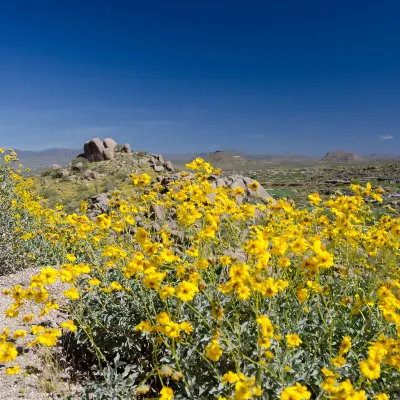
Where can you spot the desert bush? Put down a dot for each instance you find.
(81, 160)
(212, 298)
(46, 173)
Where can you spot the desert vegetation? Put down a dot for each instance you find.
(187, 290)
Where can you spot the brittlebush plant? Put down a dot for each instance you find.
(190, 293)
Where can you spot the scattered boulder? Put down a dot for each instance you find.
(158, 168)
(65, 173)
(168, 166)
(110, 144)
(61, 173)
(126, 148)
(108, 154)
(91, 175)
(94, 149)
(78, 167)
(55, 167)
(158, 212)
(158, 163)
(98, 204)
(158, 159)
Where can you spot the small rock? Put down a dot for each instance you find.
(158, 168)
(77, 167)
(126, 148)
(158, 212)
(65, 173)
(90, 175)
(55, 167)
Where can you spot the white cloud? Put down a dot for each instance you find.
(386, 137)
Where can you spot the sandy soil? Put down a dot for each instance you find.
(41, 382)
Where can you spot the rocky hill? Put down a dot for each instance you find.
(221, 157)
(105, 166)
(341, 156)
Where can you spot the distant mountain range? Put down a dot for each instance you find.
(183, 157)
(46, 158)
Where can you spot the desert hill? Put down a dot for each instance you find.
(341, 156)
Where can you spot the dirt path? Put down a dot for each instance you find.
(40, 383)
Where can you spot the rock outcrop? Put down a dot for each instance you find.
(158, 163)
(97, 150)
(251, 188)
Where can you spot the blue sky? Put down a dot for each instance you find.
(182, 76)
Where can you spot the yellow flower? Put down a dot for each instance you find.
(293, 340)
(267, 329)
(28, 317)
(72, 293)
(71, 257)
(230, 377)
(166, 291)
(302, 295)
(94, 282)
(214, 350)
(269, 354)
(370, 369)
(48, 337)
(8, 352)
(116, 286)
(314, 199)
(19, 333)
(13, 370)
(166, 393)
(186, 327)
(338, 361)
(48, 275)
(196, 164)
(381, 396)
(163, 318)
(345, 345)
(140, 180)
(243, 292)
(186, 291)
(327, 372)
(253, 186)
(297, 392)
(69, 325)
